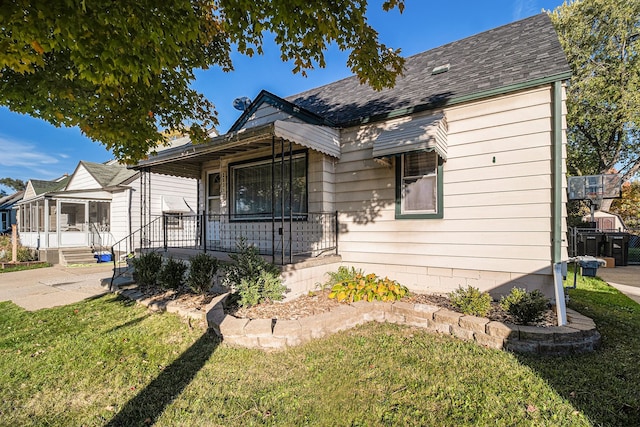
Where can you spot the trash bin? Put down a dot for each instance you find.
(103, 256)
(590, 243)
(617, 247)
(588, 266)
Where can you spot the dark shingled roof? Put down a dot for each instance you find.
(515, 54)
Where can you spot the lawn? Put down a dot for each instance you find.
(110, 362)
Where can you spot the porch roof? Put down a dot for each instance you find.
(186, 161)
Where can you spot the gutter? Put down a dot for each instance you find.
(559, 267)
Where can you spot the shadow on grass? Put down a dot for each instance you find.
(604, 385)
(148, 405)
(128, 324)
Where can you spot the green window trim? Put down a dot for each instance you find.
(439, 214)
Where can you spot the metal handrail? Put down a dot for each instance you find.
(308, 234)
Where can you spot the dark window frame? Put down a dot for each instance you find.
(439, 212)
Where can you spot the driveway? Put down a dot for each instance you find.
(625, 279)
(53, 286)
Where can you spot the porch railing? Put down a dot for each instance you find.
(100, 239)
(303, 235)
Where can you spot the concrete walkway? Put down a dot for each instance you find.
(53, 286)
(625, 279)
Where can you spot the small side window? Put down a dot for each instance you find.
(419, 185)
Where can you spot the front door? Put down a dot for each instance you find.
(213, 210)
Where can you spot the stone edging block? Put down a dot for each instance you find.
(578, 338)
(579, 335)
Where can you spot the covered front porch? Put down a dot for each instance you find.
(270, 185)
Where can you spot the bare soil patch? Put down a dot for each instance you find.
(319, 302)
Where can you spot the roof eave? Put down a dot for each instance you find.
(503, 90)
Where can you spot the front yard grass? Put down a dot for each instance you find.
(108, 361)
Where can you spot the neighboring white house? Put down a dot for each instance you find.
(7, 213)
(454, 177)
(98, 205)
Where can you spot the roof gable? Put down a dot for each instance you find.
(267, 98)
(517, 55)
(36, 187)
(107, 175)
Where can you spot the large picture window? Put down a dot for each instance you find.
(252, 187)
(419, 185)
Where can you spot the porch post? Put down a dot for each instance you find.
(36, 221)
(86, 224)
(282, 199)
(58, 219)
(164, 230)
(45, 218)
(273, 199)
(290, 203)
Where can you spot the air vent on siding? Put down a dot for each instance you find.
(440, 69)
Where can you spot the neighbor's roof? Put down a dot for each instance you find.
(7, 201)
(41, 187)
(496, 61)
(108, 175)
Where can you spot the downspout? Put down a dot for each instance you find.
(558, 268)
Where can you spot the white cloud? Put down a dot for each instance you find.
(23, 154)
(525, 8)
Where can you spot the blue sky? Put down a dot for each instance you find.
(33, 149)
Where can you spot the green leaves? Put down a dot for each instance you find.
(600, 40)
(103, 66)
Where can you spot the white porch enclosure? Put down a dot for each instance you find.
(57, 223)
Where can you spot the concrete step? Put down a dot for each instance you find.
(77, 256)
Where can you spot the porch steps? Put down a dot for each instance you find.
(77, 256)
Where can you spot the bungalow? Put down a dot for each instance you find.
(7, 213)
(454, 177)
(97, 206)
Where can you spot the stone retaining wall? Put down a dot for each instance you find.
(578, 336)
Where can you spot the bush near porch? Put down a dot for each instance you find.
(6, 251)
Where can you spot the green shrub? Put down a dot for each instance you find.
(23, 255)
(247, 263)
(26, 254)
(147, 268)
(525, 307)
(343, 274)
(355, 286)
(201, 273)
(172, 274)
(471, 301)
(251, 278)
(266, 287)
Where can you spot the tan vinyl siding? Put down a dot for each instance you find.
(497, 198)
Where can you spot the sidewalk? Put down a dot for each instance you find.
(53, 286)
(625, 279)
